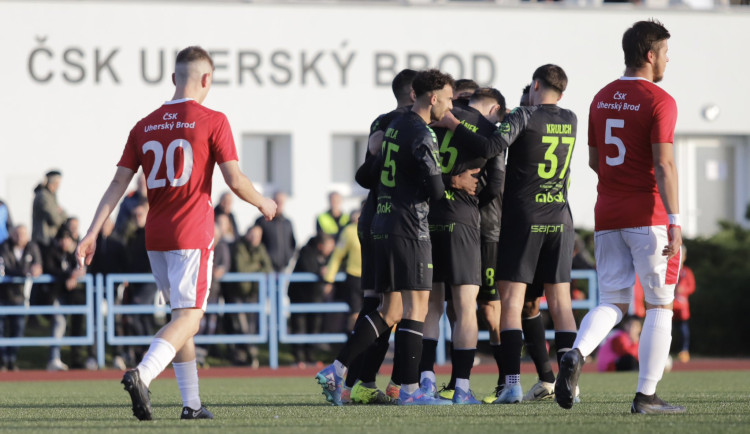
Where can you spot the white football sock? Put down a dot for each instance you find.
(340, 368)
(428, 374)
(410, 388)
(595, 326)
(159, 354)
(512, 380)
(653, 349)
(187, 381)
(463, 384)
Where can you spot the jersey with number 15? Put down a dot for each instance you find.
(625, 119)
(178, 146)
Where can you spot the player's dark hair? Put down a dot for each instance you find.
(192, 54)
(463, 84)
(638, 40)
(526, 90)
(484, 93)
(551, 77)
(525, 96)
(430, 80)
(401, 84)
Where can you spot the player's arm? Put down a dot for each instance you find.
(245, 190)
(368, 173)
(594, 159)
(115, 191)
(665, 172)
(495, 173)
(375, 142)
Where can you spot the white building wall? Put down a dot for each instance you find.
(65, 106)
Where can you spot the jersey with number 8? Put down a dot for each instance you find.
(178, 146)
(625, 118)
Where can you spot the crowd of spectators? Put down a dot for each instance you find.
(264, 247)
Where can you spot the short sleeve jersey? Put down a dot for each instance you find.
(457, 206)
(178, 145)
(368, 210)
(625, 118)
(410, 157)
(538, 170)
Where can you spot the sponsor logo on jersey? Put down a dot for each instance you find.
(385, 208)
(443, 228)
(549, 198)
(450, 195)
(547, 229)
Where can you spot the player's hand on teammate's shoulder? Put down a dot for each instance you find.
(268, 208)
(675, 242)
(448, 121)
(466, 181)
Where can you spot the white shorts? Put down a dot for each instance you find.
(621, 253)
(183, 276)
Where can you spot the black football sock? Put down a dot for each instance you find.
(452, 382)
(369, 305)
(463, 362)
(499, 361)
(373, 358)
(564, 342)
(411, 349)
(511, 355)
(429, 353)
(396, 373)
(368, 330)
(536, 346)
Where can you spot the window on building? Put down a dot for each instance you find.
(267, 161)
(347, 154)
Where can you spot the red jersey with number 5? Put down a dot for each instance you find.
(625, 119)
(178, 146)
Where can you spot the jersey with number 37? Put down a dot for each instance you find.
(625, 118)
(178, 146)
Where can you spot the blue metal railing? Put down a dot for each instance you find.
(272, 308)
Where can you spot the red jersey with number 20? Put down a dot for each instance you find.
(625, 119)
(178, 146)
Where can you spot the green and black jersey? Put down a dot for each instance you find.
(410, 160)
(538, 172)
(367, 176)
(457, 206)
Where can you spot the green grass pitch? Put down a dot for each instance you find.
(717, 402)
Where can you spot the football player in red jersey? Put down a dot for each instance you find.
(631, 135)
(178, 146)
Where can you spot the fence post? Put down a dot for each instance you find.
(273, 332)
(99, 309)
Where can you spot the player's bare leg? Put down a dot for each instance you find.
(464, 340)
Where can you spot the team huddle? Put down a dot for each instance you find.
(445, 220)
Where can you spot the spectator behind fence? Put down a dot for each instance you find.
(332, 221)
(224, 208)
(138, 293)
(248, 256)
(18, 258)
(684, 289)
(312, 259)
(6, 223)
(347, 249)
(125, 219)
(620, 351)
(278, 235)
(47, 215)
(60, 262)
(111, 257)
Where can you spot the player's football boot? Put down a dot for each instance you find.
(346, 395)
(567, 379)
(202, 413)
(139, 394)
(430, 386)
(460, 397)
(445, 393)
(541, 391)
(393, 390)
(420, 397)
(652, 404)
(510, 395)
(331, 384)
(362, 394)
(489, 399)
